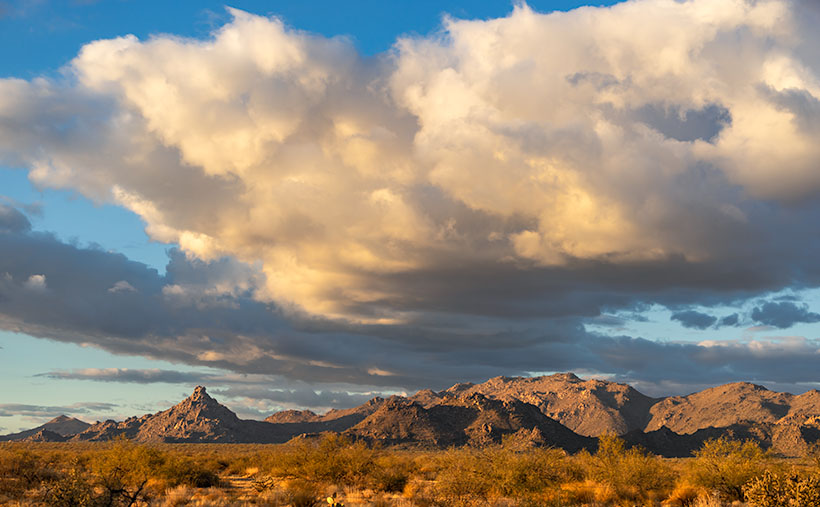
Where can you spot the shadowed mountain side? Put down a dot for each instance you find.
(62, 426)
(471, 419)
(45, 435)
(588, 407)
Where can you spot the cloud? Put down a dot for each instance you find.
(127, 375)
(694, 319)
(11, 220)
(305, 397)
(16, 409)
(729, 320)
(783, 314)
(454, 209)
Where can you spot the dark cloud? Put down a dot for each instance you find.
(686, 124)
(11, 220)
(729, 320)
(784, 314)
(694, 319)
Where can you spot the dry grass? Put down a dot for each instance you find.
(307, 472)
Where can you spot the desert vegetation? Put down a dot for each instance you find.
(331, 470)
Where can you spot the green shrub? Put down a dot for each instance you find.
(725, 466)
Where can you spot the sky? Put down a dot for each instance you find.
(307, 204)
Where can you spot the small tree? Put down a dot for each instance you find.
(124, 471)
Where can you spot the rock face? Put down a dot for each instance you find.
(587, 407)
(62, 426)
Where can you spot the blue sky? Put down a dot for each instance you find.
(612, 226)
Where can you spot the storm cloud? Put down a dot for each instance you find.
(454, 209)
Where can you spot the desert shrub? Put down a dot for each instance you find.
(71, 489)
(182, 470)
(631, 474)
(527, 474)
(333, 459)
(725, 466)
(123, 472)
(781, 490)
(302, 493)
(391, 472)
(22, 470)
(462, 478)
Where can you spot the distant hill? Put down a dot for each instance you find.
(61, 426)
(558, 410)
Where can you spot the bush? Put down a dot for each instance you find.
(631, 474)
(333, 459)
(776, 490)
(725, 466)
(462, 477)
(72, 489)
(184, 471)
(123, 472)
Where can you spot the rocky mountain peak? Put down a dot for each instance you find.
(200, 395)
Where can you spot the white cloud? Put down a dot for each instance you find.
(36, 283)
(122, 286)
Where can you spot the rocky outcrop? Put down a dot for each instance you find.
(588, 407)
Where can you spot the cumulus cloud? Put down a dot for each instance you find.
(455, 208)
(783, 314)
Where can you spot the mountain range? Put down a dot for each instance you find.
(559, 410)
